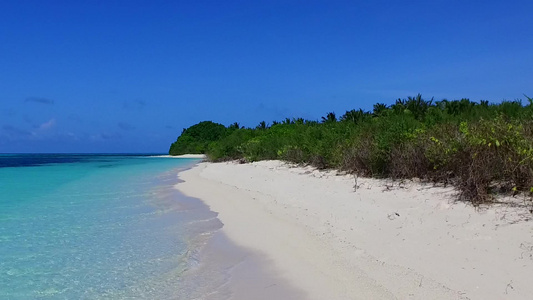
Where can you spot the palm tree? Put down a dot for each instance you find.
(262, 125)
(379, 109)
(298, 121)
(329, 118)
(457, 107)
(287, 121)
(354, 116)
(418, 106)
(399, 105)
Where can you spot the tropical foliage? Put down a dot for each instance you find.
(479, 147)
(196, 139)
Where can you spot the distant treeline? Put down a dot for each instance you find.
(480, 147)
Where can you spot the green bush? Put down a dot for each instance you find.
(481, 148)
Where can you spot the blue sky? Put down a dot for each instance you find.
(128, 76)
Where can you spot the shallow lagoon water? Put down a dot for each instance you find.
(100, 227)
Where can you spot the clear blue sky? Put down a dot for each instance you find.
(128, 76)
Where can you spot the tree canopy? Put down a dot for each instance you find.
(196, 139)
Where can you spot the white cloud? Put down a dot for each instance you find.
(48, 125)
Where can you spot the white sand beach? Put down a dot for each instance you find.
(199, 156)
(383, 241)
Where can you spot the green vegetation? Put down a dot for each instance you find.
(481, 148)
(196, 139)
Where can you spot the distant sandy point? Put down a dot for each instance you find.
(199, 156)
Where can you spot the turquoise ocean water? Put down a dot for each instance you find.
(100, 227)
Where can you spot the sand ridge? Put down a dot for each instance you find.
(383, 241)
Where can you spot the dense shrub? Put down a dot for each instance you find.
(481, 148)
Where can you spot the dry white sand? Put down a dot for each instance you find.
(379, 242)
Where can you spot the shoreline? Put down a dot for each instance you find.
(198, 156)
(321, 237)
